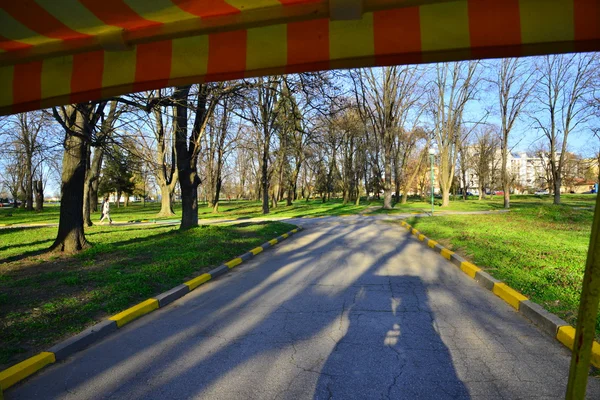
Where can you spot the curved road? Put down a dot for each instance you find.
(350, 308)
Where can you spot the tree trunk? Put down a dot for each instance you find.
(28, 184)
(94, 196)
(126, 200)
(504, 172)
(217, 194)
(445, 198)
(166, 206)
(188, 180)
(557, 183)
(70, 237)
(387, 184)
(38, 188)
(118, 199)
(87, 220)
(265, 179)
(290, 195)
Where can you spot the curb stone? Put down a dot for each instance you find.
(546, 321)
(72, 345)
(66, 348)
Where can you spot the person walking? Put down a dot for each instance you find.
(106, 211)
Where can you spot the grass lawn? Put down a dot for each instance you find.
(538, 249)
(45, 297)
(243, 209)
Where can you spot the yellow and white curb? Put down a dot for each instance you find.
(62, 350)
(546, 321)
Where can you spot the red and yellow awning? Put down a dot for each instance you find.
(64, 51)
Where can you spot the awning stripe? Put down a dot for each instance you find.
(153, 65)
(428, 33)
(27, 86)
(207, 9)
(587, 19)
(308, 45)
(36, 18)
(494, 24)
(226, 55)
(86, 78)
(117, 13)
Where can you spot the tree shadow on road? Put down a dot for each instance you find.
(331, 313)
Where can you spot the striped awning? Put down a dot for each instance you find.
(65, 51)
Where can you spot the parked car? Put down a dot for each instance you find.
(541, 192)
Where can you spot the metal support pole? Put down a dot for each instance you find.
(432, 183)
(586, 319)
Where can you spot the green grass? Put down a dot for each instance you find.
(45, 297)
(537, 249)
(243, 209)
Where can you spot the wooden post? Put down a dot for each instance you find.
(586, 319)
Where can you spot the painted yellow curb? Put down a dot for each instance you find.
(124, 317)
(234, 262)
(273, 241)
(469, 269)
(256, 250)
(197, 281)
(295, 230)
(22, 370)
(447, 254)
(421, 237)
(285, 235)
(415, 232)
(402, 223)
(509, 295)
(432, 243)
(566, 335)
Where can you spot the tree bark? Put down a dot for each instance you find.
(505, 180)
(265, 177)
(557, 184)
(90, 195)
(38, 188)
(186, 158)
(387, 184)
(166, 206)
(29, 183)
(70, 237)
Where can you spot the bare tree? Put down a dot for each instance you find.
(261, 111)
(454, 86)
(483, 159)
(514, 82)
(94, 162)
(565, 85)
(385, 97)
(79, 122)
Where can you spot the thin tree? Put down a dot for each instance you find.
(262, 113)
(514, 82)
(385, 96)
(453, 87)
(566, 83)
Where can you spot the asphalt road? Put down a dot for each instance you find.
(350, 308)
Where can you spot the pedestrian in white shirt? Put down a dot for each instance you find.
(106, 211)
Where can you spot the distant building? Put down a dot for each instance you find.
(528, 170)
(531, 171)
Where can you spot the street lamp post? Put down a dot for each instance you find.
(432, 156)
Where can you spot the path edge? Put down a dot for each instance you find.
(82, 340)
(548, 323)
